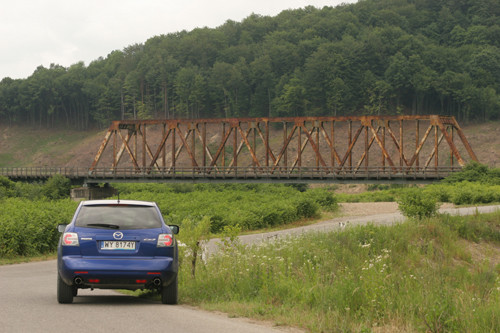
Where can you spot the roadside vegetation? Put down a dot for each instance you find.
(30, 213)
(29, 228)
(475, 184)
(438, 275)
(249, 206)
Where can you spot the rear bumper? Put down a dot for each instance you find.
(114, 273)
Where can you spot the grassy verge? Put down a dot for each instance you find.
(440, 274)
(24, 259)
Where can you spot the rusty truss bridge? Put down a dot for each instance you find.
(299, 149)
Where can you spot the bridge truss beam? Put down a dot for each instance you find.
(270, 147)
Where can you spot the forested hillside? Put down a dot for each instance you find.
(373, 57)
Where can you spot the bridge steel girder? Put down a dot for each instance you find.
(347, 145)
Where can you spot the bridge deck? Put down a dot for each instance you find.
(236, 174)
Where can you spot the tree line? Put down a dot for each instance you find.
(372, 57)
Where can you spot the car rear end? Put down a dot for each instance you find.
(114, 244)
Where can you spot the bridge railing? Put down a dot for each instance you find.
(42, 172)
(250, 173)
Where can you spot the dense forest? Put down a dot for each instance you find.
(372, 57)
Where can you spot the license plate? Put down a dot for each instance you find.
(117, 245)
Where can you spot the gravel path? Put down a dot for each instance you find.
(384, 213)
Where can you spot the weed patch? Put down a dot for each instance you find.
(415, 274)
(251, 207)
(29, 228)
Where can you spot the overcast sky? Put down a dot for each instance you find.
(64, 32)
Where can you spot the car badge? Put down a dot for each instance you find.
(118, 235)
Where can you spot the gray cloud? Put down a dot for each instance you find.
(64, 32)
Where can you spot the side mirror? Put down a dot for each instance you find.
(61, 227)
(174, 228)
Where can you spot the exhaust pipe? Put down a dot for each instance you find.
(78, 280)
(157, 282)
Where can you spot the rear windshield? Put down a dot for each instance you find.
(118, 217)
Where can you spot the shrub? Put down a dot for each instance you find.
(6, 187)
(251, 206)
(301, 187)
(324, 198)
(475, 172)
(474, 193)
(193, 234)
(57, 187)
(30, 228)
(414, 203)
(442, 192)
(307, 208)
(216, 223)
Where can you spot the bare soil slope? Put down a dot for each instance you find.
(27, 147)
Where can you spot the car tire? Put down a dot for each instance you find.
(169, 293)
(64, 292)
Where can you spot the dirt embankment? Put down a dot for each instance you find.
(27, 147)
(374, 208)
(368, 208)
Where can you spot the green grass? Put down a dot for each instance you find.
(440, 274)
(6, 159)
(372, 196)
(24, 259)
(25, 144)
(460, 193)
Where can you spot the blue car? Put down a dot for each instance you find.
(117, 244)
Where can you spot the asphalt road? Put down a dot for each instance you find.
(28, 298)
(28, 304)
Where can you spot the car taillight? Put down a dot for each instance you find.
(165, 240)
(70, 239)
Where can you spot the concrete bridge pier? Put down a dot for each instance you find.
(92, 192)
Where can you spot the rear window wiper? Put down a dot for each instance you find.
(104, 225)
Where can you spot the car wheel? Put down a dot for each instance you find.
(169, 293)
(64, 292)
